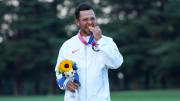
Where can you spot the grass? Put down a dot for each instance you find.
(154, 95)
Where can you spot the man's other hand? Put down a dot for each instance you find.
(72, 86)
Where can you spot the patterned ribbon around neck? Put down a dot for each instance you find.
(91, 41)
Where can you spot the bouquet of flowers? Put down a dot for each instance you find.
(68, 69)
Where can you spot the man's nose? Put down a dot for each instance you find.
(89, 22)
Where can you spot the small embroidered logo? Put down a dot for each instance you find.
(75, 51)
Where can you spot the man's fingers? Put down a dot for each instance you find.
(92, 29)
(72, 86)
(75, 85)
(71, 89)
(94, 25)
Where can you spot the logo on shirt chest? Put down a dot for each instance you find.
(74, 51)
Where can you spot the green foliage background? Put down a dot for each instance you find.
(145, 31)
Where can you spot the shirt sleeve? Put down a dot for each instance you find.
(59, 76)
(111, 55)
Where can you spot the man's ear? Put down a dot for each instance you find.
(77, 22)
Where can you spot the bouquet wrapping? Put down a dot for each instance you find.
(68, 69)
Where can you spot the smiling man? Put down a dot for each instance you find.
(94, 55)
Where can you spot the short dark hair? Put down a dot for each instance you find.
(82, 7)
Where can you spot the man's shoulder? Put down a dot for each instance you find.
(106, 37)
(71, 40)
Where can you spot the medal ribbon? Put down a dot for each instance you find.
(91, 41)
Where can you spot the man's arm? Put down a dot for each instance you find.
(68, 84)
(59, 76)
(111, 55)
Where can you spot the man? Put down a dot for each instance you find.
(94, 54)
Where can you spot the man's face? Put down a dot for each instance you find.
(86, 19)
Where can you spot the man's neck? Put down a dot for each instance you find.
(84, 34)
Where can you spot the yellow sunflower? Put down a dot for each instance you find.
(65, 66)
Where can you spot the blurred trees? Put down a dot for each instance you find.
(30, 46)
(32, 31)
(149, 40)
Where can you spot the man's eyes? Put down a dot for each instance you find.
(85, 19)
(92, 19)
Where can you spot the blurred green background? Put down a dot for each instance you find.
(146, 32)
